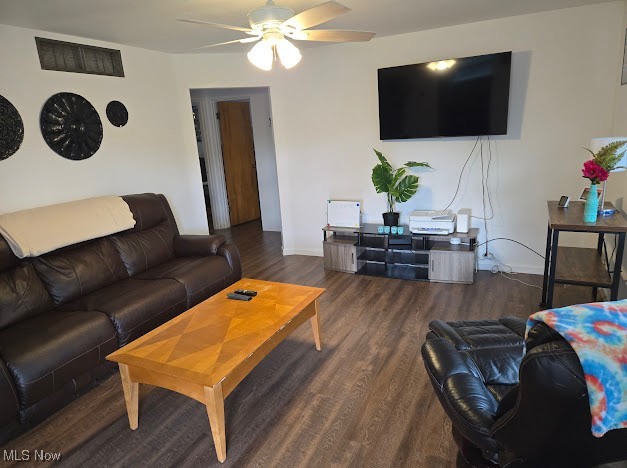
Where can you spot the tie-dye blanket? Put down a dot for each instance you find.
(598, 334)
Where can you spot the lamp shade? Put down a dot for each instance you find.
(288, 53)
(262, 55)
(597, 143)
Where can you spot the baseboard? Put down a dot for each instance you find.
(531, 270)
(309, 253)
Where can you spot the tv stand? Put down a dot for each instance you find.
(417, 257)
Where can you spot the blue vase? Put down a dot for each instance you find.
(591, 208)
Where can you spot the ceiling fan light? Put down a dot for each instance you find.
(261, 56)
(288, 53)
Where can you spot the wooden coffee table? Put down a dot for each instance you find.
(205, 352)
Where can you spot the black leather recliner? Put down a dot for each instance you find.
(512, 403)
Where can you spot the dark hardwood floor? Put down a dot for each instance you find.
(365, 400)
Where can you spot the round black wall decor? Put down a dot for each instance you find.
(71, 126)
(117, 113)
(11, 129)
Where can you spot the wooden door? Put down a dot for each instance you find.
(238, 155)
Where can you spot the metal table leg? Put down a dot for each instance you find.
(617, 266)
(595, 289)
(552, 269)
(547, 259)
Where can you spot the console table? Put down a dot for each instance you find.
(581, 266)
(418, 257)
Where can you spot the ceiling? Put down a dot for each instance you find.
(151, 24)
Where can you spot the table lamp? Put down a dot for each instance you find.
(595, 145)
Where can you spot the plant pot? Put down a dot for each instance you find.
(390, 218)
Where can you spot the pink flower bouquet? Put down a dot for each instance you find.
(595, 172)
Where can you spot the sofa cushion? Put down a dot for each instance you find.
(149, 210)
(22, 295)
(498, 365)
(508, 331)
(80, 269)
(501, 391)
(151, 241)
(202, 277)
(45, 352)
(135, 306)
(145, 249)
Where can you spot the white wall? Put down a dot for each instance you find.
(620, 116)
(617, 182)
(326, 121)
(263, 136)
(144, 156)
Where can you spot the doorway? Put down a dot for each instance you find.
(238, 145)
(238, 159)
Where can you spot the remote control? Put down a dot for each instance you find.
(246, 292)
(239, 297)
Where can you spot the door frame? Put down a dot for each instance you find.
(215, 164)
(259, 99)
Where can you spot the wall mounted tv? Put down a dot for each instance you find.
(458, 97)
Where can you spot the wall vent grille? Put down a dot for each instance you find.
(78, 58)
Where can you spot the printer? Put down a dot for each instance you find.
(432, 222)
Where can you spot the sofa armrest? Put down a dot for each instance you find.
(461, 391)
(442, 360)
(230, 252)
(197, 246)
(9, 404)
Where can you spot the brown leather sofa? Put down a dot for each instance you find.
(62, 313)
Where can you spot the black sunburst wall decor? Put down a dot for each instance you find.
(11, 129)
(71, 126)
(117, 113)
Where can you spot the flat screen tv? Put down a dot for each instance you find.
(461, 97)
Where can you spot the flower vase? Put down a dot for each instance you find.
(591, 208)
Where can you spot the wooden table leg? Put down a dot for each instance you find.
(215, 410)
(315, 326)
(131, 396)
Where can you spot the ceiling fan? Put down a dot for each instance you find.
(273, 24)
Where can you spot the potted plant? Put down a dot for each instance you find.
(398, 185)
(597, 170)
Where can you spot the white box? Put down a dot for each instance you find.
(463, 220)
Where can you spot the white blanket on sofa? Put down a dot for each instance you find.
(40, 230)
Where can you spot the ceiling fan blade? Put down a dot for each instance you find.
(316, 15)
(217, 25)
(327, 35)
(242, 41)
